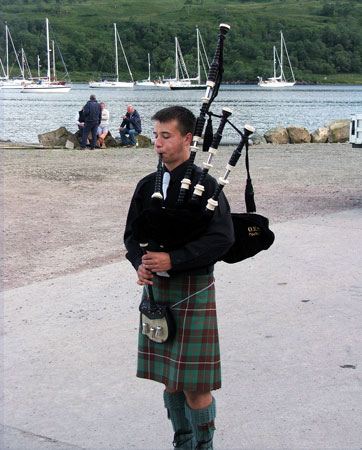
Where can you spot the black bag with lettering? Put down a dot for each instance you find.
(252, 232)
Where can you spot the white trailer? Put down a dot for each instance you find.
(355, 130)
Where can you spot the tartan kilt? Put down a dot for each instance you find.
(191, 360)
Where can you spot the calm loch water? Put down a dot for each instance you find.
(24, 116)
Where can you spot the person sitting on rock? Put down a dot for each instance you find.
(103, 127)
(131, 126)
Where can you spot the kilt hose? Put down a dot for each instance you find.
(191, 360)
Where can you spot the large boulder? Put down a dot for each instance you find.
(110, 141)
(298, 135)
(256, 139)
(338, 130)
(320, 135)
(277, 135)
(56, 138)
(143, 141)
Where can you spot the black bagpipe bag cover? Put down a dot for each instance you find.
(170, 228)
(252, 235)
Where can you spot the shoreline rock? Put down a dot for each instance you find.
(334, 132)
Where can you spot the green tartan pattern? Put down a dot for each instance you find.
(191, 360)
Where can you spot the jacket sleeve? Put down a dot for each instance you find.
(136, 121)
(210, 246)
(86, 110)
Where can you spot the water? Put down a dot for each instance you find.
(27, 115)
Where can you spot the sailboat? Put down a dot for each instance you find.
(48, 84)
(148, 84)
(5, 81)
(281, 80)
(115, 83)
(186, 82)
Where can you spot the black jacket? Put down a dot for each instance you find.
(201, 252)
(92, 112)
(134, 119)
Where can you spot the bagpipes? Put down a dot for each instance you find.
(172, 228)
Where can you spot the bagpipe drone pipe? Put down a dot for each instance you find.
(173, 228)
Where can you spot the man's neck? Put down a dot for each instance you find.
(171, 166)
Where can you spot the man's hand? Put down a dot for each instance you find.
(156, 261)
(152, 262)
(144, 275)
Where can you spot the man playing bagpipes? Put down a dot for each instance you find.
(176, 269)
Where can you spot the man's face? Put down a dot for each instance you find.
(102, 106)
(171, 144)
(129, 109)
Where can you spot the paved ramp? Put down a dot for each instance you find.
(290, 322)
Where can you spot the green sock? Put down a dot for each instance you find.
(175, 404)
(203, 424)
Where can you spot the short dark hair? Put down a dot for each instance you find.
(92, 97)
(185, 118)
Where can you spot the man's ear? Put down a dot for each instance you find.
(188, 138)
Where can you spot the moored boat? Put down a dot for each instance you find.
(112, 81)
(48, 84)
(281, 80)
(186, 83)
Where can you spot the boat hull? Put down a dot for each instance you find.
(190, 87)
(46, 89)
(6, 85)
(111, 84)
(276, 84)
(150, 85)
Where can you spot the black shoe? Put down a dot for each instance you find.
(204, 445)
(181, 438)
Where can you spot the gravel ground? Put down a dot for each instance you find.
(65, 211)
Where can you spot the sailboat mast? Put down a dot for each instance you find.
(38, 59)
(2, 67)
(290, 64)
(275, 61)
(23, 62)
(7, 49)
(149, 67)
(48, 49)
(54, 75)
(116, 50)
(198, 56)
(281, 57)
(176, 60)
(125, 58)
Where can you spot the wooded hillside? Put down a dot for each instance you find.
(324, 38)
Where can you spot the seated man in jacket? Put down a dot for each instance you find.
(131, 126)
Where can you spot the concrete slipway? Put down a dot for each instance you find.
(291, 338)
